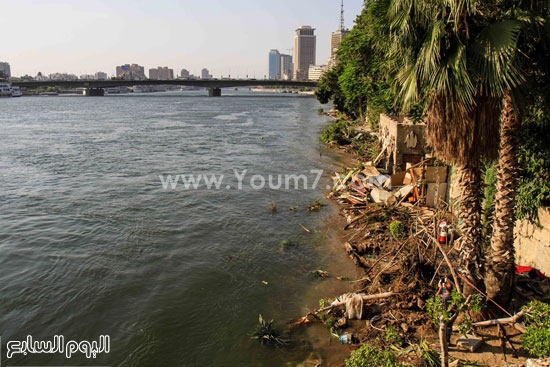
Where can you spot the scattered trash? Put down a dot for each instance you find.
(320, 273)
(365, 184)
(305, 229)
(264, 282)
(346, 338)
(543, 362)
(316, 205)
(342, 322)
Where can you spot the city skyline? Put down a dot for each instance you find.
(85, 38)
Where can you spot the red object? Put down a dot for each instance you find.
(443, 232)
(527, 269)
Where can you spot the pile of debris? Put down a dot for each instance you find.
(422, 182)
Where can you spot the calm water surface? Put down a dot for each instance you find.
(91, 244)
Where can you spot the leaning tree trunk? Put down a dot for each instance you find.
(469, 213)
(500, 265)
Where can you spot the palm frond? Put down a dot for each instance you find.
(493, 55)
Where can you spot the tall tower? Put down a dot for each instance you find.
(305, 43)
(342, 24)
(337, 37)
(274, 65)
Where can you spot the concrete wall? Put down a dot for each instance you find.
(394, 132)
(533, 244)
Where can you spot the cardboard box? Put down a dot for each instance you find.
(436, 174)
(436, 193)
(397, 179)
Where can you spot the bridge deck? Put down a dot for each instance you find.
(211, 83)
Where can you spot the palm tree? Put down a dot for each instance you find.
(501, 259)
(534, 49)
(457, 55)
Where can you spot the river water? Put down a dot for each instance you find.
(92, 244)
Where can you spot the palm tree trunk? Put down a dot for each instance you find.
(500, 265)
(469, 213)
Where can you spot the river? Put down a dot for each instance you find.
(92, 244)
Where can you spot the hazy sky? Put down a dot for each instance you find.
(226, 36)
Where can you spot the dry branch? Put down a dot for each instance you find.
(503, 321)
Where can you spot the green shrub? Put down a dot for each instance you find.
(320, 111)
(396, 229)
(285, 243)
(369, 356)
(265, 333)
(392, 336)
(337, 132)
(536, 339)
(435, 308)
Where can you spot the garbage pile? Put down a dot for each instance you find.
(424, 183)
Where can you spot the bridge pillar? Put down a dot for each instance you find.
(94, 92)
(214, 92)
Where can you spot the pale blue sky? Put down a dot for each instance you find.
(85, 36)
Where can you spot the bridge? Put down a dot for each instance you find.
(214, 86)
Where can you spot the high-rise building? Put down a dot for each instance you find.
(130, 72)
(205, 74)
(5, 70)
(337, 37)
(274, 65)
(101, 76)
(286, 67)
(161, 73)
(184, 74)
(304, 51)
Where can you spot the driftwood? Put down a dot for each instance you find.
(436, 242)
(504, 321)
(357, 259)
(377, 160)
(390, 263)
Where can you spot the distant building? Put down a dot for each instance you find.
(274, 65)
(315, 72)
(39, 77)
(101, 76)
(130, 72)
(305, 43)
(337, 38)
(286, 67)
(161, 73)
(5, 69)
(185, 74)
(205, 74)
(87, 77)
(63, 76)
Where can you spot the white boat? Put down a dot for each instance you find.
(16, 92)
(5, 89)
